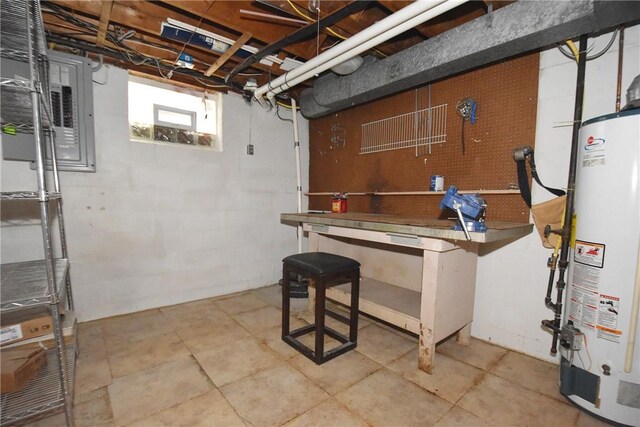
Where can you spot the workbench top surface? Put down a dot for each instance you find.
(415, 226)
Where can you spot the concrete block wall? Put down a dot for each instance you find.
(158, 225)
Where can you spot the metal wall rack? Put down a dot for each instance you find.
(26, 108)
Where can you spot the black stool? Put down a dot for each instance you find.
(324, 270)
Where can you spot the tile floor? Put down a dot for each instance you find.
(220, 362)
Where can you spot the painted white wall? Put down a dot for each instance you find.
(158, 225)
(512, 279)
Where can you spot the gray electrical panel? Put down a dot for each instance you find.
(71, 88)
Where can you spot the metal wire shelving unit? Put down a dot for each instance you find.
(46, 282)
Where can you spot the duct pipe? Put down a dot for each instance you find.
(401, 21)
(296, 145)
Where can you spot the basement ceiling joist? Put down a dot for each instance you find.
(226, 18)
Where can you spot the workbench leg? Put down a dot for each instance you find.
(426, 343)
(426, 349)
(463, 336)
(314, 246)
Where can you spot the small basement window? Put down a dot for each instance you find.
(160, 113)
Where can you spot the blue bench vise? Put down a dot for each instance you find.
(470, 209)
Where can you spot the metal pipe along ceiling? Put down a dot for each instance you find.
(401, 21)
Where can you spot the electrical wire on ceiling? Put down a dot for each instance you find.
(193, 32)
(126, 52)
(119, 37)
(332, 32)
(572, 55)
(284, 119)
(310, 19)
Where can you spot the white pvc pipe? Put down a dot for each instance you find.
(296, 145)
(401, 21)
(399, 29)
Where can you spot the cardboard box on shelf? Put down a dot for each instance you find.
(19, 366)
(48, 341)
(25, 324)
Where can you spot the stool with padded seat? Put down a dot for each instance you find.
(323, 270)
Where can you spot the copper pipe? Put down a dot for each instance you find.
(620, 55)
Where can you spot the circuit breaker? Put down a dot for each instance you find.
(71, 114)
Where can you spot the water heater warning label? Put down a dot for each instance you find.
(608, 311)
(586, 277)
(583, 307)
(589, 253)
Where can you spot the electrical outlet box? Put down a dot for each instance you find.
(250, 149)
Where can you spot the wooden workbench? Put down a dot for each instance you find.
(417, 273)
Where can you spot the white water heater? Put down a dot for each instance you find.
(600, 343)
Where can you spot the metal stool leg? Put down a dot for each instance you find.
(319, 319)
(285, 300)
(355, 299)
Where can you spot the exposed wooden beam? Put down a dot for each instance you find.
(193, 86)
(146, 19)
(228, 54)
(105, 15)
(227, 14)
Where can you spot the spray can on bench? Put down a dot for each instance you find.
(436, 183)
(339, 203)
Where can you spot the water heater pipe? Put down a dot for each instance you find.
(563, 262)
(397, 23)
(296, 145)
(633, 326)
(620, 55)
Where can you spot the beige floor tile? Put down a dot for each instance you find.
(240, 303)
(386, 399)
(146, 353)
(274, 396)
(479, 354)
(273, 339)
(237, 360)
(207, 336)
(56, 420)
(450, 379)
(146, 393)
(93, 409)
(586, 420)
(193, 313)
(382, 345)
(458, 417)
(259, 320)
(310, 341)
(209, 409)
(92, 373)
(530, 373)
(132, 327)
(90, 339)
(328, 413)
(337, 374)
(500, 402)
